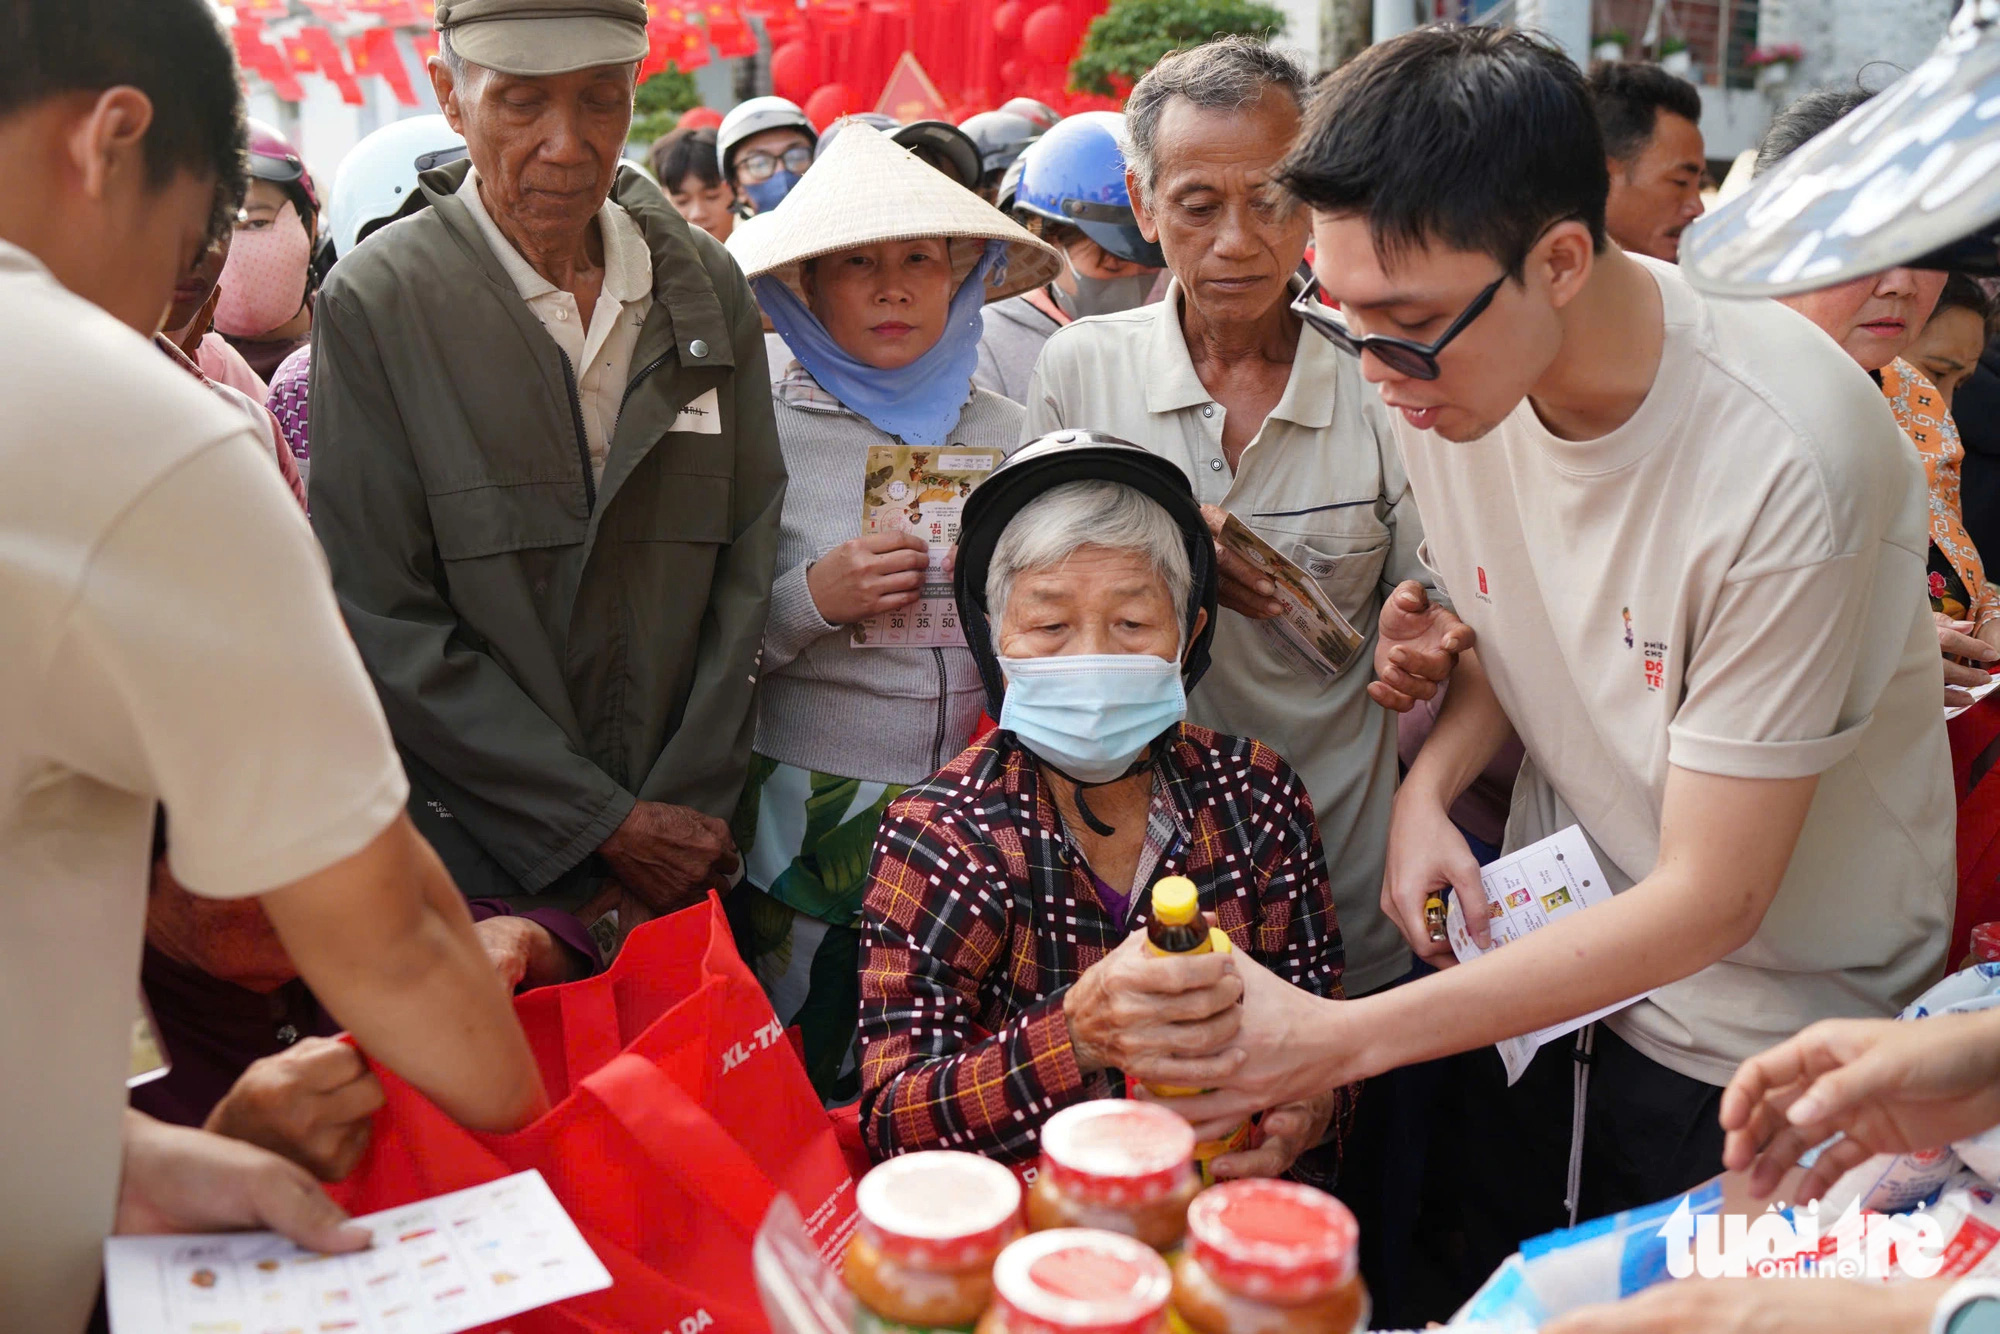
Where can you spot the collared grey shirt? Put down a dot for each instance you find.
(1322, 481)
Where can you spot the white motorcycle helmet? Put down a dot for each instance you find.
(754, 117)
(379, 174)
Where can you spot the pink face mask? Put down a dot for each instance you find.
(264, 282)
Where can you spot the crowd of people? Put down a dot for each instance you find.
(489, 576)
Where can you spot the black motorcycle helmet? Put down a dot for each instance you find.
(1076, 456)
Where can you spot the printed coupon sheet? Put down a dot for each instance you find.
(1977, 693)
(921, 490)
(1542, 883)
(436, 1267)
(1310, 630)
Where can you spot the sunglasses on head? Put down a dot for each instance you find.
(757, 166)
(1405, 356)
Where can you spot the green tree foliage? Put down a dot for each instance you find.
(659, 102)
(1129, 38)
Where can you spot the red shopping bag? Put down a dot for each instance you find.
(679, 1112)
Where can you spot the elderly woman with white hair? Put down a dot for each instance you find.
(1003, 976)
(874, 269)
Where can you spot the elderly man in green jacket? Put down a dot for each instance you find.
(547, 479)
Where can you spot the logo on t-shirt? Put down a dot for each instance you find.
(1485, 593)
(1628, 627)
(1656, 665)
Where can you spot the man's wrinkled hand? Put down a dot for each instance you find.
(310, 1103)
(670, 856)
(1161, 1019)
(1244, 588)
(178, 1180)
(1284, 1133)
(1418, 646)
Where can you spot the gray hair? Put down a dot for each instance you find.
(1053, 526)
(1230, 72)
(461, 69)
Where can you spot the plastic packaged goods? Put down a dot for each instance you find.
(1174, 926)
(1269, 1257)
(1078, 1281)
(1119, 1166)
(931, 1226)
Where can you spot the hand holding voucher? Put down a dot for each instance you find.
(1244, 588)
(866, 576)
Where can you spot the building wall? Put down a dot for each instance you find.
(1878, 40)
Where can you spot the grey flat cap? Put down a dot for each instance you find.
(535, 37)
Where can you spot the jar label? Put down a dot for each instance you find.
(1210, 1149)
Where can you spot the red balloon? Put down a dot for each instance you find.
(1047, 36)
(828, 103)
(699, 118)
(795, 70)
(1007, 19)
(1011, 74)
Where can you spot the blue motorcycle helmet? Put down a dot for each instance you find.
(1075, 175)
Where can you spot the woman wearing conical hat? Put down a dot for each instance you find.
(874, 270)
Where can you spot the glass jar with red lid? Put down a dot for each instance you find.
(1117, 1165)
(931, 1225)
(1078, 1281)
(1269, 1257)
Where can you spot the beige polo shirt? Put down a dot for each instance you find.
(170, 638)
(1732, 582)
(600, 356)
(1322, 482)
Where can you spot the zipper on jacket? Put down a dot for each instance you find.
(582, 439)
(938, 757)
(644, 371)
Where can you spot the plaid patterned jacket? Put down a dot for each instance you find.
(980, 913)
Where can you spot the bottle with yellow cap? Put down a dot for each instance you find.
(1176, 927)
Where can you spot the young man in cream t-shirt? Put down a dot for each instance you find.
(1691, 542)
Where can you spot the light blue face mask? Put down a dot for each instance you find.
(1091, 714)
(919, 403)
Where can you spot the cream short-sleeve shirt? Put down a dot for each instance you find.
(1731, 583)
(170, 639)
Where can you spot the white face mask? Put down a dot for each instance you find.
(1101, 296)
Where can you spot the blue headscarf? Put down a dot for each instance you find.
(918, 403)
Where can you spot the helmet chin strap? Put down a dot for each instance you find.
(1145, 761)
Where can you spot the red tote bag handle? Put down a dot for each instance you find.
(683, 1138)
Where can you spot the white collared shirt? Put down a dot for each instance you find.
(1323, 483)
(600, 356)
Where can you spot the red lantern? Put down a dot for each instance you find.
(795, 70)
(828, 103)
(1046, 35)
(1007, 19)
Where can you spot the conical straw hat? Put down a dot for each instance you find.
(865, 190)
